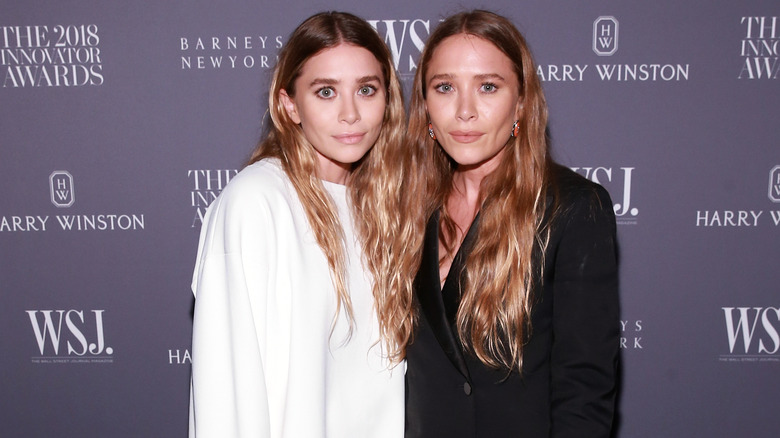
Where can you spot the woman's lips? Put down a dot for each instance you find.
(466, 136)
(350, 137)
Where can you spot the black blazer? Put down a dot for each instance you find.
(568, 383)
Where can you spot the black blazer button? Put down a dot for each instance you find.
(467, 388)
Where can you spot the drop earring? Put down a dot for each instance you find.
(430, 131)
(515, 129)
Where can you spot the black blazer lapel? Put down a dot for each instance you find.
(430, 297)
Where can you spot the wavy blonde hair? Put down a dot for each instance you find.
(493, 319)
(374, 181)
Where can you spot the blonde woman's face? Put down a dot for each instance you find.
(472, 99)
(339, 102)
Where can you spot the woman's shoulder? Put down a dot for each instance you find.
(256, 190)
(574, 192)
(264, 178)
(571, 186)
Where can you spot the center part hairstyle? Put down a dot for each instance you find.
(373, 183)
(494, 315)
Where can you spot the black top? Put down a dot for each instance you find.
(568, 383)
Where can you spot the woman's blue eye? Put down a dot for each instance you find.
(367, 91)
(444, 88)
(325, 92)
(488, 88)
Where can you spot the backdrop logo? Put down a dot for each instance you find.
(745, 218)
(207, 184)
(618, 183)
(605, 36)
(50, 56)
(406, 39)
(760, 48)
(752, 334)
(83, 338)
(774, 184)
(61, 188)
(231, 52)
(61, 193)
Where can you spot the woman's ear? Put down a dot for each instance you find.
(289, 106)
(519, 108)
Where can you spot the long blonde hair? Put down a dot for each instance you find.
(493, 319)
(374, 181)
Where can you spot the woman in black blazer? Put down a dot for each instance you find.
(517, 327)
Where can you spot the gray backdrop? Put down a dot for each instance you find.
(121, 121)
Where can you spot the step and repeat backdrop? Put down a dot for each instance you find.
(120, 122)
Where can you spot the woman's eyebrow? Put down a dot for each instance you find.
(368, 78)
(324, 81)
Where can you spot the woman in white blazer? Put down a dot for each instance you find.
(296, 326)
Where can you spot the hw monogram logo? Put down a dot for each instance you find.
(774, 184)
(605, 36)
(61, 188)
